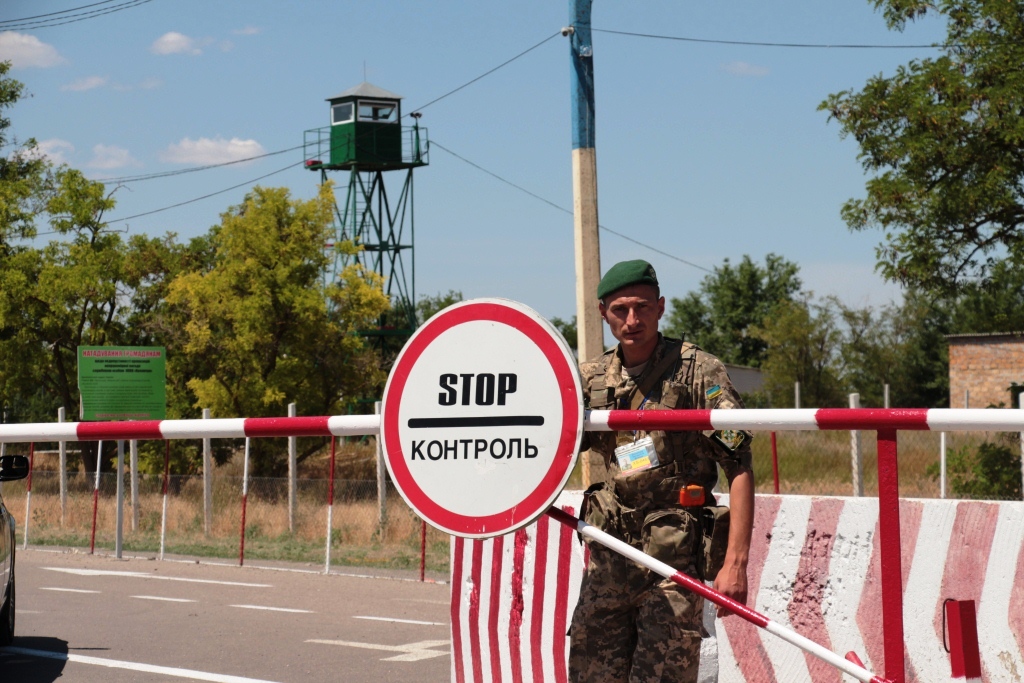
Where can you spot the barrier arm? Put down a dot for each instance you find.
(849, 666)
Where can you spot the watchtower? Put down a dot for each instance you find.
(366, 140)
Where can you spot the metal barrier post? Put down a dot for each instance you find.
(133, 465)
(857, 469)
(119, 517)
(292, 474)
(891, 559)
(942, 464)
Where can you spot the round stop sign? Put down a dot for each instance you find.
(482, 418)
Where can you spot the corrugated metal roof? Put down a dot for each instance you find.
(367, 89)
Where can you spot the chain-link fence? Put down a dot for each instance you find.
(359, 535)
(979, 465)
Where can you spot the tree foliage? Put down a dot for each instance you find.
(943, 140)
(731, 302)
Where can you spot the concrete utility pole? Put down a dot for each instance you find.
(584, 181)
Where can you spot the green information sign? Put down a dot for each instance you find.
(123, 382)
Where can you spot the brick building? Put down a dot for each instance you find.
(986, 365)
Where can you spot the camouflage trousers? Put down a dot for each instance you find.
(632, 626)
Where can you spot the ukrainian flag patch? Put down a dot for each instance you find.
(713, 392)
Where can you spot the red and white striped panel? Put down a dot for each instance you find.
(814, 567)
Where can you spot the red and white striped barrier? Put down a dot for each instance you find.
(936, 419)
(815, 567)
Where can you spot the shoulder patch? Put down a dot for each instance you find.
(713, 392)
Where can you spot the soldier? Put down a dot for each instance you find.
(630, 625)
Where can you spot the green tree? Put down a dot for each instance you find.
(805, 344)
(23, 173)
(570, 330)
(942, 138)
(731, 302)
(428, 306)
(260, 331)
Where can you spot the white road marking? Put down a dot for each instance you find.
(413, 652)
(430, 602)
(28, 611)
(403, 621)
(157, 597)
(133, 666)
(274, 609)
(65, 590)
(144, 575)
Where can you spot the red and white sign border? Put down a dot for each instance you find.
(555, 350)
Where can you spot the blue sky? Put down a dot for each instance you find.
(704, 151)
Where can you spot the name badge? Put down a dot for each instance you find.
(638, 455)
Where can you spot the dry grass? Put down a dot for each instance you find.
(810, 463)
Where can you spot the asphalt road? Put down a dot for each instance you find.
(139, 620)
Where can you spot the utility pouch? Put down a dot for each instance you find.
(601, 509)
(673, 537)
(714, 524)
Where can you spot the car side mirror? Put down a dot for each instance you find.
(13, 467)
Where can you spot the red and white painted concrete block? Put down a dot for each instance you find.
(814, 567)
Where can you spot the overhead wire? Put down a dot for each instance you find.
(182, 171)
(435, 143)
(127, 179)
(754, 43)
(207, 196)
(486, 73)
(61, 21)
(50, 14)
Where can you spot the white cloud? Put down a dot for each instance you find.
(745, 69)
(87, 83)
(24, 51)
(108, 157)
(247, 31)
(150, 83)
(55, 150)
(175, 43)
(210, 151)
(226, 46)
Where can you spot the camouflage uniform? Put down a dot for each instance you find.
(631, 625)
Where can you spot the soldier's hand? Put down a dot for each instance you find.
(732, 581)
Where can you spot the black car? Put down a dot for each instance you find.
(11, 467)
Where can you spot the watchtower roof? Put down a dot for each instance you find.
(367, 89)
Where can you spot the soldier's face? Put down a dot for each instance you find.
(632, 314)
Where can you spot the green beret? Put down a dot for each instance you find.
(625, 273)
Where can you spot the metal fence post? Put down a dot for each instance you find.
(133, 464)
(942, 464)
(382, 485)
(163, 517)
(96, 496)
(28, 491)
(856, 466)
(207, 480)
(245, 499)
(292, 441)
(796, 395)
(885, 397)
(119, 520)
(330, 509)
(62, 447)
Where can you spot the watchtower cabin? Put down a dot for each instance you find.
(373, 209)
(366, 133)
